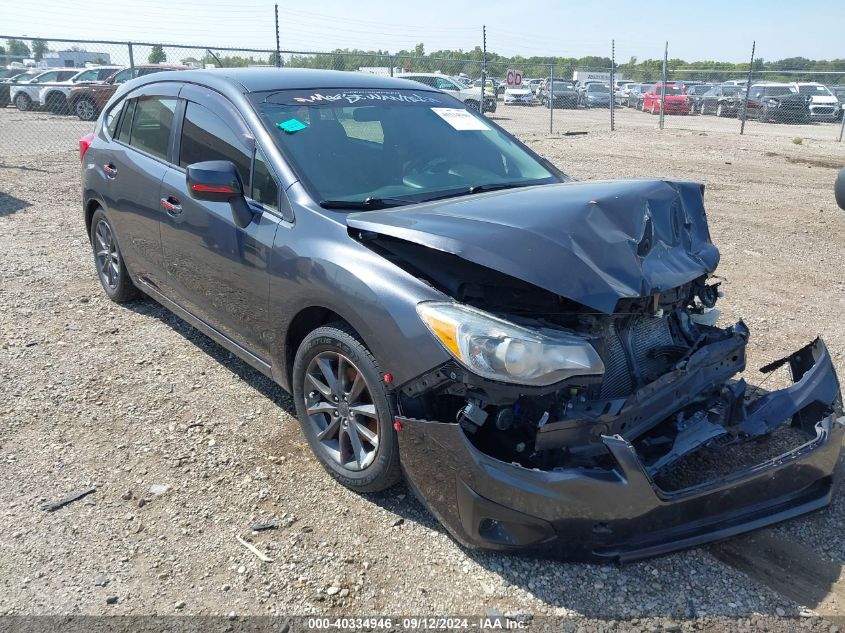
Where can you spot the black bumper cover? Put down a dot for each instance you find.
(621, 514)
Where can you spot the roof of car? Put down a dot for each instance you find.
(263, 79)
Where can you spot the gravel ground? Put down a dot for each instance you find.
(187, 446)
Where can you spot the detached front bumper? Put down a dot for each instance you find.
(620, 513)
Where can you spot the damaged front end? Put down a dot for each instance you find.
(602, 418)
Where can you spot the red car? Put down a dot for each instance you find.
(676, 100)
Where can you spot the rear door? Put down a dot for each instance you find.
(135, 168)
(218, 270)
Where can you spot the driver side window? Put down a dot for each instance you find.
(444, 84)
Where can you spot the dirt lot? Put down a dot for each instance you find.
(126, 398)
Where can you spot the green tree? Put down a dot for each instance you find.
(39, 47)
(157, 55)
(16, 48)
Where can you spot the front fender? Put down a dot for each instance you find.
(317, 264)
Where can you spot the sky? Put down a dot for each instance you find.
(716, 29)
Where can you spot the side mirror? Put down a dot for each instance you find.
(218, 181)
(839, 189)
(213, 180)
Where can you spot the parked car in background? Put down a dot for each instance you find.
(5, 73)
(490, 88)
(533, 85)
(695, 94)
(735, 82)
(824, 105)
(620, 95)
(469, 96)
(7, 84)
(537, 357)
(636, 94)
(777, 102)
(86, 102)
(675, 101)
(596, 95)
(722, 100)
(839, 92)
(518, 95)
(54, 95)
(562, 94)
(25, 94)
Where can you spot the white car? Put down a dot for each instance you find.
(24, 95)
(823, 103)
(469, 96)
(519, 95)
(54, 96)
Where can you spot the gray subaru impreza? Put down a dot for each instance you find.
(541, 359)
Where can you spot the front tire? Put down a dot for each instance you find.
(345, 410)
(473, 105)
(111, 269)
(86, 109)
(23, 102)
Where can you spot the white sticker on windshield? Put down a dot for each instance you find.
(460, 119)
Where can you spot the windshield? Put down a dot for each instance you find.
(777, 91)
(814, 90)
(670, 90)
(732, 91)
(699, 90)
(354, 145)
(598, 88)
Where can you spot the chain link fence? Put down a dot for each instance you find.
(48, 104)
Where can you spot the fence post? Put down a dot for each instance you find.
(278, 45)
(612, 78)
(663, 87)
(551, 99)
(131, 57)
(483, 67)
(390, 64)
(747, 89)
(842, 127)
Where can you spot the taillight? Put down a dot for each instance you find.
(84, 144)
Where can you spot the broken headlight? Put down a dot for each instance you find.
(500, 350)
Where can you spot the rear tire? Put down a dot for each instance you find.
(108, 261)
(345, 410)
(56, 103)
(472, 104)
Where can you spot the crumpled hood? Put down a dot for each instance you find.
(592, 242)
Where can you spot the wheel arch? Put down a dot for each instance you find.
(301, 325)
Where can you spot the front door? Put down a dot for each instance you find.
(216, 269)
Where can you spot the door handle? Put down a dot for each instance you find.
(110, 170)
(171, 205)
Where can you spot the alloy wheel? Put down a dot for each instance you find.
(107, 254)
(339, 405)
(85, 110)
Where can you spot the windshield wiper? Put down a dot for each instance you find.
(366, 203)
(481, 189)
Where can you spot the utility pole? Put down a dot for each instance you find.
(663, 89)
(747, 88)
(483, 67)
(278, 47)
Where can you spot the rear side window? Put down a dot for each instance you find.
(151, 124)
(264, 187)
(205, 136)
(126, 122)
(113, 118)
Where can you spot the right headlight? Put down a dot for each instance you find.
(500, 350)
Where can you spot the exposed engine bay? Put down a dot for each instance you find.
(648, 345)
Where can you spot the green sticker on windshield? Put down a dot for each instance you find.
(291, 125)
